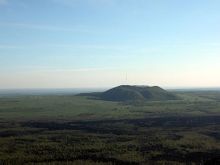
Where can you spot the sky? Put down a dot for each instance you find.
(105, 43)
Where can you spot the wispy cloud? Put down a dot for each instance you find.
(20, 4)
(2, 46)
(65, 69)
(91, 46)
(73, 3)
(76, 28)
(3, 2)
(69, 46)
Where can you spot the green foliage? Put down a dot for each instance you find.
(72, 130)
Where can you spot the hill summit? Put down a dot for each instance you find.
(134, 93)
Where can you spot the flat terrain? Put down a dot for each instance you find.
(73, 130)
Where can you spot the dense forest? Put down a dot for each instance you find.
(74, 130)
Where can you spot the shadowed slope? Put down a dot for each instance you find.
(133, 93)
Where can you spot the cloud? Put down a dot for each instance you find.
(3, 2)
(69, 46)
(11, 47)
(91, 46)
(73, 3)
(55, 69)
(45, 27)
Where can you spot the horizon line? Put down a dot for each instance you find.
(105, 87)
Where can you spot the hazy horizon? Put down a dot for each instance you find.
(73, 91)
(106, 43)
(108, 87)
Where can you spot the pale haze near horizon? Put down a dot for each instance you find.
(103, 43)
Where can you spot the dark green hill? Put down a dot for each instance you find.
(134, 93)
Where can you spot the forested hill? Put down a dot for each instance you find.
(131, 93)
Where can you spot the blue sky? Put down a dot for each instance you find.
(96, 43)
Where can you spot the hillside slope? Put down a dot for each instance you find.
(134, 93)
